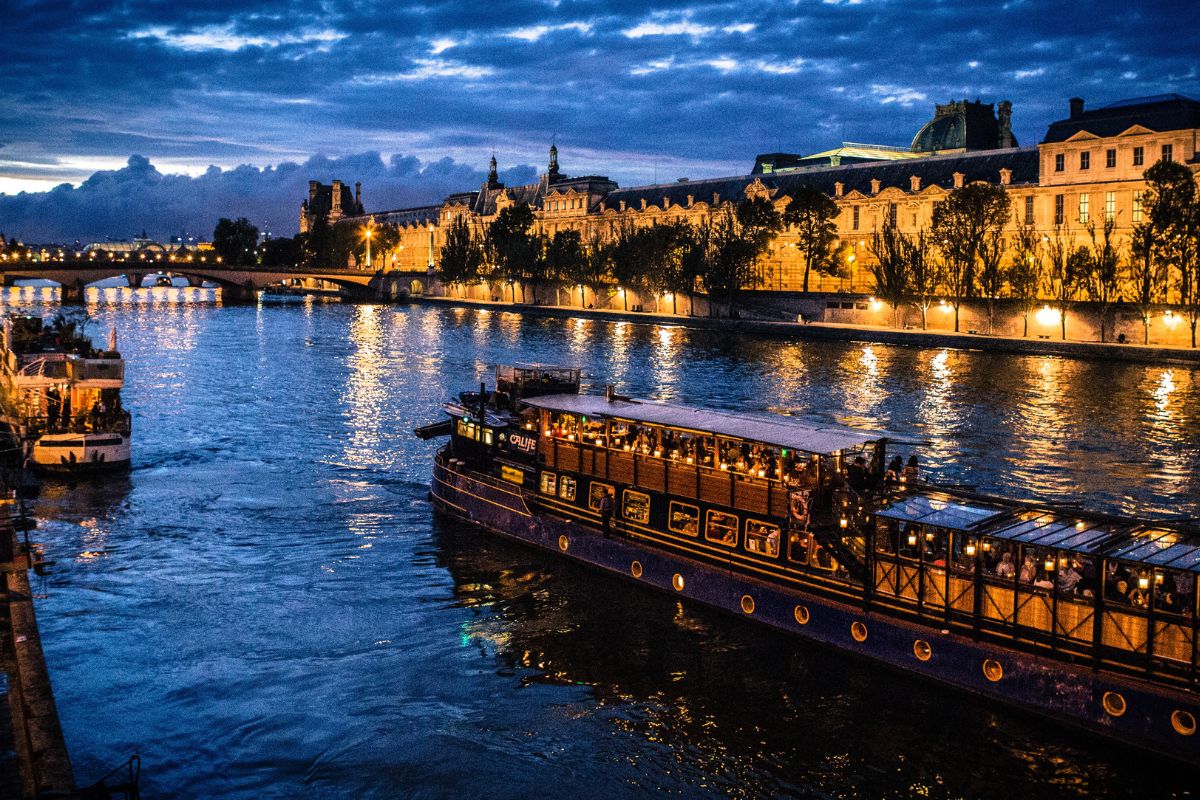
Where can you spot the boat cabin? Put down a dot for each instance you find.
(1108, 588)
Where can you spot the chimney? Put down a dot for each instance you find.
(666, 203)
(958, 180)
(643, 204)
(1076, 107)
(691, 199)
(1005, 138)
(1005, 176)
(838, 189)
(358, 197)
(336, 207)
(874, 185)
(914, 183)
(622, 205)
(716, 199)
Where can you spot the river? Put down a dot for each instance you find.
(266, 606)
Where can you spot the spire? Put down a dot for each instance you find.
(552, 173)
(493, 178)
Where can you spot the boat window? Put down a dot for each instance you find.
(684, 518)
(762, 537)
(803, 548)
(636, 506)
(888, 533)
(487, 435)
(566, 488)
(549, 483)
(1174, 592)
(563, 426)
(1038, 566)
(593, 432)
(721, 527)
(999, 559)
(597, 490)
(799, 470)
(682, 447)
(618, 435)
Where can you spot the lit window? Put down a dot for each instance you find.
(721, 527)
(762, 537)
(1084, 204)
(1110, 206)
(635, 506)
(1029, 210)
(566, 489)
(854, 225)
(1137, 206)
(1060, 162)
(1139, 156)
(549, 482)
(684, 518)
(1059, 204)
(1166, 152)
(596, 493)
(1110, 157)
(1085, 160)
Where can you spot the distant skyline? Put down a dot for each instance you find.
(244, 103)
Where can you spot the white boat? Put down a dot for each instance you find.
(63, 396)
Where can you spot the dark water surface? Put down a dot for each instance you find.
(266, 607)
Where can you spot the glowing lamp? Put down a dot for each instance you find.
(929, 536)
(971, 549)
(845, 523)
(912, 540)
(1049, 565)
(1143, 582)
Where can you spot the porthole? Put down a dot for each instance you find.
(747, 604)
(635, 569)
(677, 582)
(859, 631)
(992, 670)
(1114, 704)
(922, 650)
(801, 615)
(563, 543)
(1184, 722)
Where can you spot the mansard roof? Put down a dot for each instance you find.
(421, 215)
(1164, 112)
(933, 171)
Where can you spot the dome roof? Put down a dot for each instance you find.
(962, 125)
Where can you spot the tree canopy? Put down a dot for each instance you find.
(235, 241)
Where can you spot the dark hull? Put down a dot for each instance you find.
(83, 468)
(1061, 691)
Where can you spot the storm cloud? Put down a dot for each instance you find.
(639, 92)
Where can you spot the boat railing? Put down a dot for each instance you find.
(108, 422)
(50, 365)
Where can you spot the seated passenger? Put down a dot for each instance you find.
(1119, 593)
(1005, 568)
(1043, 580)
(856, 474)
(1069, 578)
(1028, 570)
(911, 470)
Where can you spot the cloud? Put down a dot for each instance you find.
(424, 69)
(120, 203)
(223, 37)
(896, 94)
(535, 32)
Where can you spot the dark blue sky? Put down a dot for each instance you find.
(412, 98)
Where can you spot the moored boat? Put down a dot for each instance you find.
(63, 397)
(1083, 617)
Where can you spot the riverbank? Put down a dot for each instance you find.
(31, 727)
(829, 331)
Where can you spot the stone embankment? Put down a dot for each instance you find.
(827, 331)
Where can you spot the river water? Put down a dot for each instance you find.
(266, 607)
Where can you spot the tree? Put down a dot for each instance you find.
(695, 249)
(235, 240)
(991, 270)
(1026, 271)
(1100, 272)
(625, 261)
(1173, 208)
(1065, 264)
(1147, 275)
(385, 238)
(960, 223)
(596, 269)
(283, 252)
(564, 255)
(317, 244)
(890, 269)
(811, 213)
(462, 255)
(924, 273)
(509, 245)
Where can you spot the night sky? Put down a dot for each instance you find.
(165, 116)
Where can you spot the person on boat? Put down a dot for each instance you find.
(895, 468)
(1005, 568)
(911, 470)
(1028, 570)
(1119, 593)
(856, 474)
(1069, 578)
(606, 512)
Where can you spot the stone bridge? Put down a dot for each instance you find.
(236, 283)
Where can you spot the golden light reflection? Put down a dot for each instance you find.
(365, 394)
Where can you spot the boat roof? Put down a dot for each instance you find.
(942, 512)
(776, 430)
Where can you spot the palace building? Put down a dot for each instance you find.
(1087, 168)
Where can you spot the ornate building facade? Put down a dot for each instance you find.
(1087, 168)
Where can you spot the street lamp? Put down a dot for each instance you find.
(367, 234)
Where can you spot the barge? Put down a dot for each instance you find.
(1084, 618)
(62, 397)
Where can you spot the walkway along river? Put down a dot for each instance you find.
(265, 606)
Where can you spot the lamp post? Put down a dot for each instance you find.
(367, 233)
(431, 247)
